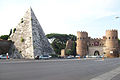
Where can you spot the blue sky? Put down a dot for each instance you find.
(63, 16)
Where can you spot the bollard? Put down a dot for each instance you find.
(7, 55)
(103, 58)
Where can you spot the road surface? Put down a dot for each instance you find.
(73, 69)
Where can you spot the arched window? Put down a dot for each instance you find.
(112, 37)
(80, 38)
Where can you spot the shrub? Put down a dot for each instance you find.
(22, 40)
(119, 41)
(14, 30)
(54, 55)
(69, 52)
(20, 51)
(22, 20)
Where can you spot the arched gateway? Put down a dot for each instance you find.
(96, 53)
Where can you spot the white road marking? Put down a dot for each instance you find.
(108, 75)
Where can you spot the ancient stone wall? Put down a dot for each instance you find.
(5, 46)
(69, 44)
(96, 44)
(93, 49)
(63, 53)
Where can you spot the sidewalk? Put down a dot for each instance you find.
(117, 77)
(111, 75)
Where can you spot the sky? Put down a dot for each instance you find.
(64, 16)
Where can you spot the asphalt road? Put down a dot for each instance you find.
(83, 69)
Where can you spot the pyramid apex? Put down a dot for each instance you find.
(30, 8)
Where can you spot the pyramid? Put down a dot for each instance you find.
(29, 38)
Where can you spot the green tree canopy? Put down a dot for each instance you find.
(58, 41)
(69, 52)
(119, 41)
(4, 37)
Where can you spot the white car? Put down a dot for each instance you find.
(77, 56)
(44, 57)
(70, 57)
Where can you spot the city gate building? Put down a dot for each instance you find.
(107, 46)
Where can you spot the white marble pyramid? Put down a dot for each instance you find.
(29, 38)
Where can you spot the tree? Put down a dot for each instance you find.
(72, 37)
(118, 41)
(74, 48)
(10, 32)
(58, 41)
(69, 52)
(4, 37)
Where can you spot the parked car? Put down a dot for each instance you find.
(77, 56)
(70, 57)
(87, 56)
(36, 57)
(4, 57)
(44, 57)
(100, 56)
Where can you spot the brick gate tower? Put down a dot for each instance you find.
(111, 43)
(81, 47)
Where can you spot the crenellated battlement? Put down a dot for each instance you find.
(95, 38)
(82, 34)
(111, 33)
(113, 30)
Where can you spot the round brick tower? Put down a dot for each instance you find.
(111, 43)
(81, 47)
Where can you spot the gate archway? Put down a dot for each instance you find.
(96, 53)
